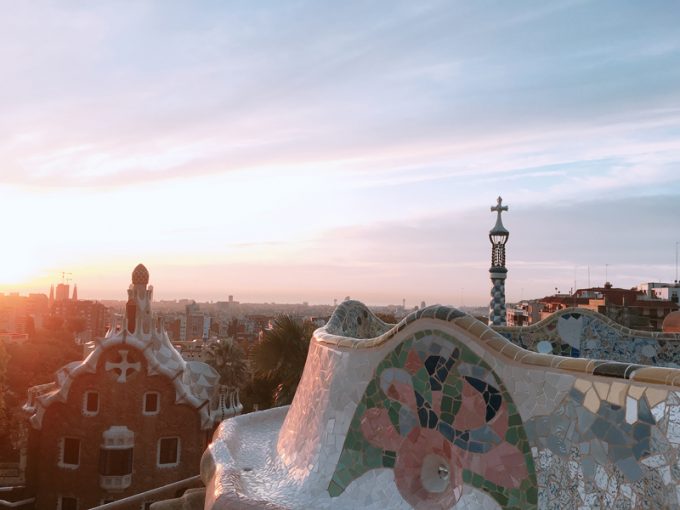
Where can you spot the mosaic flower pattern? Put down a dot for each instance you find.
(438, 415)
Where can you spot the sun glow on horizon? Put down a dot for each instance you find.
(305, 152)
(18, 270)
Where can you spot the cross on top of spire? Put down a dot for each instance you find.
(499, 208)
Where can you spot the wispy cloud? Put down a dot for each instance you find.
(366, 137)
(242, 87)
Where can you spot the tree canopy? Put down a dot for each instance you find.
(280, 356)
(229, 360)
(32, 362)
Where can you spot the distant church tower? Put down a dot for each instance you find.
(498, 236)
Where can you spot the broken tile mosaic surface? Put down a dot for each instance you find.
(440, 411)
(583, 333)
(434, 404)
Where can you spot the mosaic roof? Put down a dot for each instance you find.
(140, 275)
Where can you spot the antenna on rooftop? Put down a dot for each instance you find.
(676, 261)
(64, 278)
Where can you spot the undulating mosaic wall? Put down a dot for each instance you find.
(434, 401)
(583, 333)
(440, 412)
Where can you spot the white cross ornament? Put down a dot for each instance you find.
(123, 365)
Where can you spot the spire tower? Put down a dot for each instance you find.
(138, 307)
(498, 236)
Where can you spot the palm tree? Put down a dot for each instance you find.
(281, 354)
(228, 359)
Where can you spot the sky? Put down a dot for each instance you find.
(307, 151)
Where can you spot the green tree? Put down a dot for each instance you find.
(75, 325)
(35, 362)
(228, 359)
(258, 394)
(280, 356)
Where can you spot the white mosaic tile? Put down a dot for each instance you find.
(596, 442)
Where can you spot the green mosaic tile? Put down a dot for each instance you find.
(531, 494)
(394, 415)
(447, 404)
(373, 457)
(447, 417)
(514, 419)
(469, 357)
(421, 384)
(400, 358)
(500, 498)
(342, 478)
(334, 489)
(477, 480)
(452, 388)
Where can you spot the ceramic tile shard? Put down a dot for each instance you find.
(511, 435)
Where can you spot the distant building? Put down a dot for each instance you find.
(93, 318)
(131, 416)
(19, 314)
(62, 293)
(13, 338)
(659, 290)
(197, 323)
(632, 308)
(524, 313)
(195, 350)
(173, 328)
(228, 309)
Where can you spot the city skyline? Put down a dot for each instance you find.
(306, 152)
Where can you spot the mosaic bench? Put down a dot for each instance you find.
(582, 333)
(440, 411)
